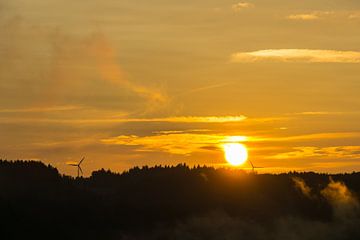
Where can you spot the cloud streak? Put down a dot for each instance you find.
(181, 119)
(315, 136)
(354, 16)
(309, 16)
(349, 152)
(241, 6)
(305, 17)
(175, 143)
(297, 55)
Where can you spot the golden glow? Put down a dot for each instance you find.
(234, 139)
(235, 153)
(298, 55)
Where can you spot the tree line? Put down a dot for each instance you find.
(36, 200)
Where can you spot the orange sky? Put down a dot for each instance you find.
(129, 83)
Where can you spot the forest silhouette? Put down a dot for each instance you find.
(176, 202)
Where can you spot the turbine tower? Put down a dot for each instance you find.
(74, 164)
(253, 167)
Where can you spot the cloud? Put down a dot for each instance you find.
(116, 119)
(354, 16)
(175, 143)
(205, 88)
(297, 55)
(315, 136)
(318, 15)
(241, 6)
(309, 16)
(111, 71)
(317, 113)
(199, 119)
(305, 17)
(349, 152)
(182, 131)
(61, 68)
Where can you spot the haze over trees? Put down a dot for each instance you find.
(162, 202)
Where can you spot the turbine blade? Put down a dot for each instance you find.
(81, 160)
(251, 164)
(79, 168)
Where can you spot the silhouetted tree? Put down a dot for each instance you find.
(36, 201)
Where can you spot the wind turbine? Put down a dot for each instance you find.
(253, 167)
(74, 164)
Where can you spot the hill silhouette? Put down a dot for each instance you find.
(177, 202)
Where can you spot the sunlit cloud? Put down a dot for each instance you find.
(305, 17)
(175, 143)
(316, 15)
(354, 16)
(322, 15)
(194, 119)
(114, 119)
(241, 6)
(181, 131)
(310, 16)
(69, 80)
(306, 137)
(297, 55)
(348, 152)
(317, 113)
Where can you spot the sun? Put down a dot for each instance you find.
(235, 153)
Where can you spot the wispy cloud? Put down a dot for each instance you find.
(305, 17)
(307, 137)
(309, 16)
(298, 55)
(114, 119)
(237, 7)
(322, 15)
(111, 71)
(181, 131)
(355, 15)
(175, 143)
(193, 119)
(317, 113)
(349, 152)
(205, 88)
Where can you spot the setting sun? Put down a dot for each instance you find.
(235, 153)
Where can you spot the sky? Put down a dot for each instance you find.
(148, 82)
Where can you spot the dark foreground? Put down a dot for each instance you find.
(176, 203)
